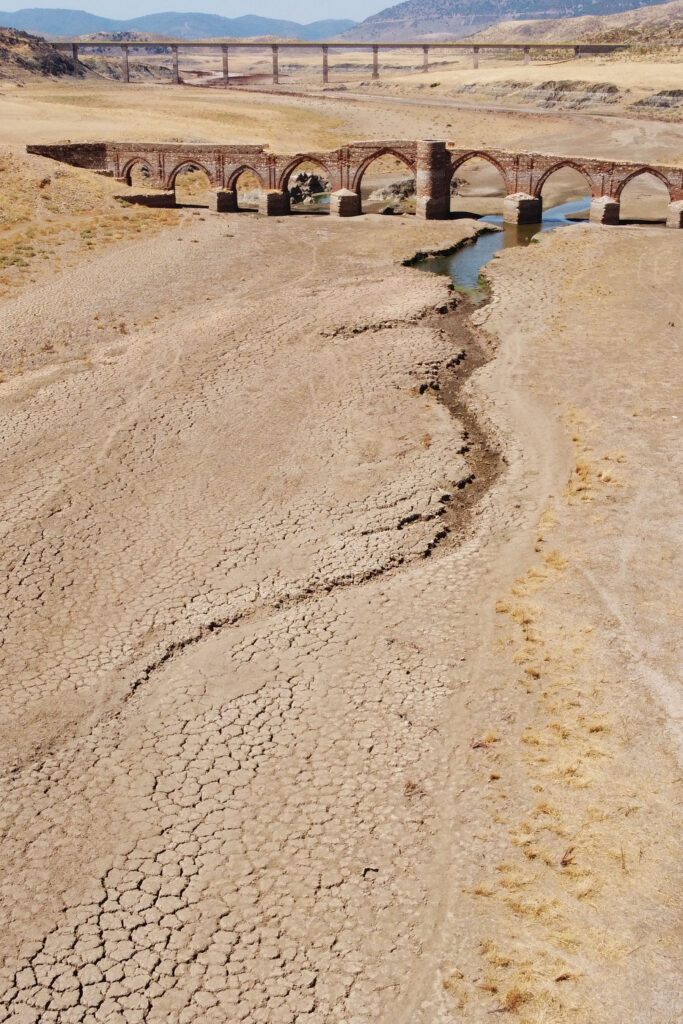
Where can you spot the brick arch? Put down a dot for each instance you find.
(231, 178)
(187, 164)
(638, 173)
(592, 184)
(383, 151)
(302, 158)
(128, 168)
(479, 155)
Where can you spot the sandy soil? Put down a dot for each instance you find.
(326, 699)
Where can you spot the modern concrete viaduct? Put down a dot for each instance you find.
(75, 46)
(432, 162)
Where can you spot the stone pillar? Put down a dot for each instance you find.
(527, 55)
(74, 51)
(475, 56)
(125, 70)
(674, 215)
(604, 210)
(273, 202)
(276, 67)
(326, 68)
(226, 58)
(375, 62)
(521, 208)
(433, 180)
(223, 201)
(176, 72)
(345, 203)
(425, 58)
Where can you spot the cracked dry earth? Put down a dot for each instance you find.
(253, 698)
(218, 713)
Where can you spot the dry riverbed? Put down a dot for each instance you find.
(293, 729)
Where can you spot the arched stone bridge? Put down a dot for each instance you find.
(432, 162)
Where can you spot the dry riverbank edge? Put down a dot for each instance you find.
(440, 790)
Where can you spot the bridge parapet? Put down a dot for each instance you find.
(433, 163)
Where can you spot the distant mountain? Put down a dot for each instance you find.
(62, 22)
(454, 19)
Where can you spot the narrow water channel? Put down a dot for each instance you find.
(465, 264)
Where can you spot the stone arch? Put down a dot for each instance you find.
(382, 151)
(302, 158)
(131, 165)
(231, 182)
(476, 154)
(189, 165)
(571, 165)
(645, 170)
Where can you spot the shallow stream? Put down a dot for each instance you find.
(464, 265)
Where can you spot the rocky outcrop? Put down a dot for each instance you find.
(304, 186)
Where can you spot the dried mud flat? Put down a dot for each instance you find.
(277, 746)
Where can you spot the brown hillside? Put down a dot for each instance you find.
(660, 25)
(23, 55)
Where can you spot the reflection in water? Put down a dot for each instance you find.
(465, 264)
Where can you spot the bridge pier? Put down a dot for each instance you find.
(433, 180)
(226, 66)
(604, 210)
(375, 62)
(527, 55)
(345, 203)
(125, 70)
(276, 65)
(521, 208)
(273, 202)
(223, 201)
(425, 58)
(475, 56)
(674, 215)
(176, 72)
(326, 65)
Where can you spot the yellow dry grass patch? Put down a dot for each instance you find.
(592, 849)
(47, 210)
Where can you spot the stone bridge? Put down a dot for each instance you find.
(433, 163)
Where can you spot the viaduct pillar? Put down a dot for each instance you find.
(326, 66)
(521, 208)
(176, 73)
(276, 68)
(433, 180)
(475, 56)
(226, 66)
(425, 58)
(527, 55)
(74, 51)
(375, 62)
(125, 70)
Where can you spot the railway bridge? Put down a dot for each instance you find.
(433, 163)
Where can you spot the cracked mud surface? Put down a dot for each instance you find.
(262, 758)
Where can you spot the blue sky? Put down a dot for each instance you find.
(292, 10)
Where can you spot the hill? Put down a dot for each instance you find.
(22, 54)
(661, 25)
(64, 22)
(455, 19)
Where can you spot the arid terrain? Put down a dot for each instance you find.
(339, 616)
